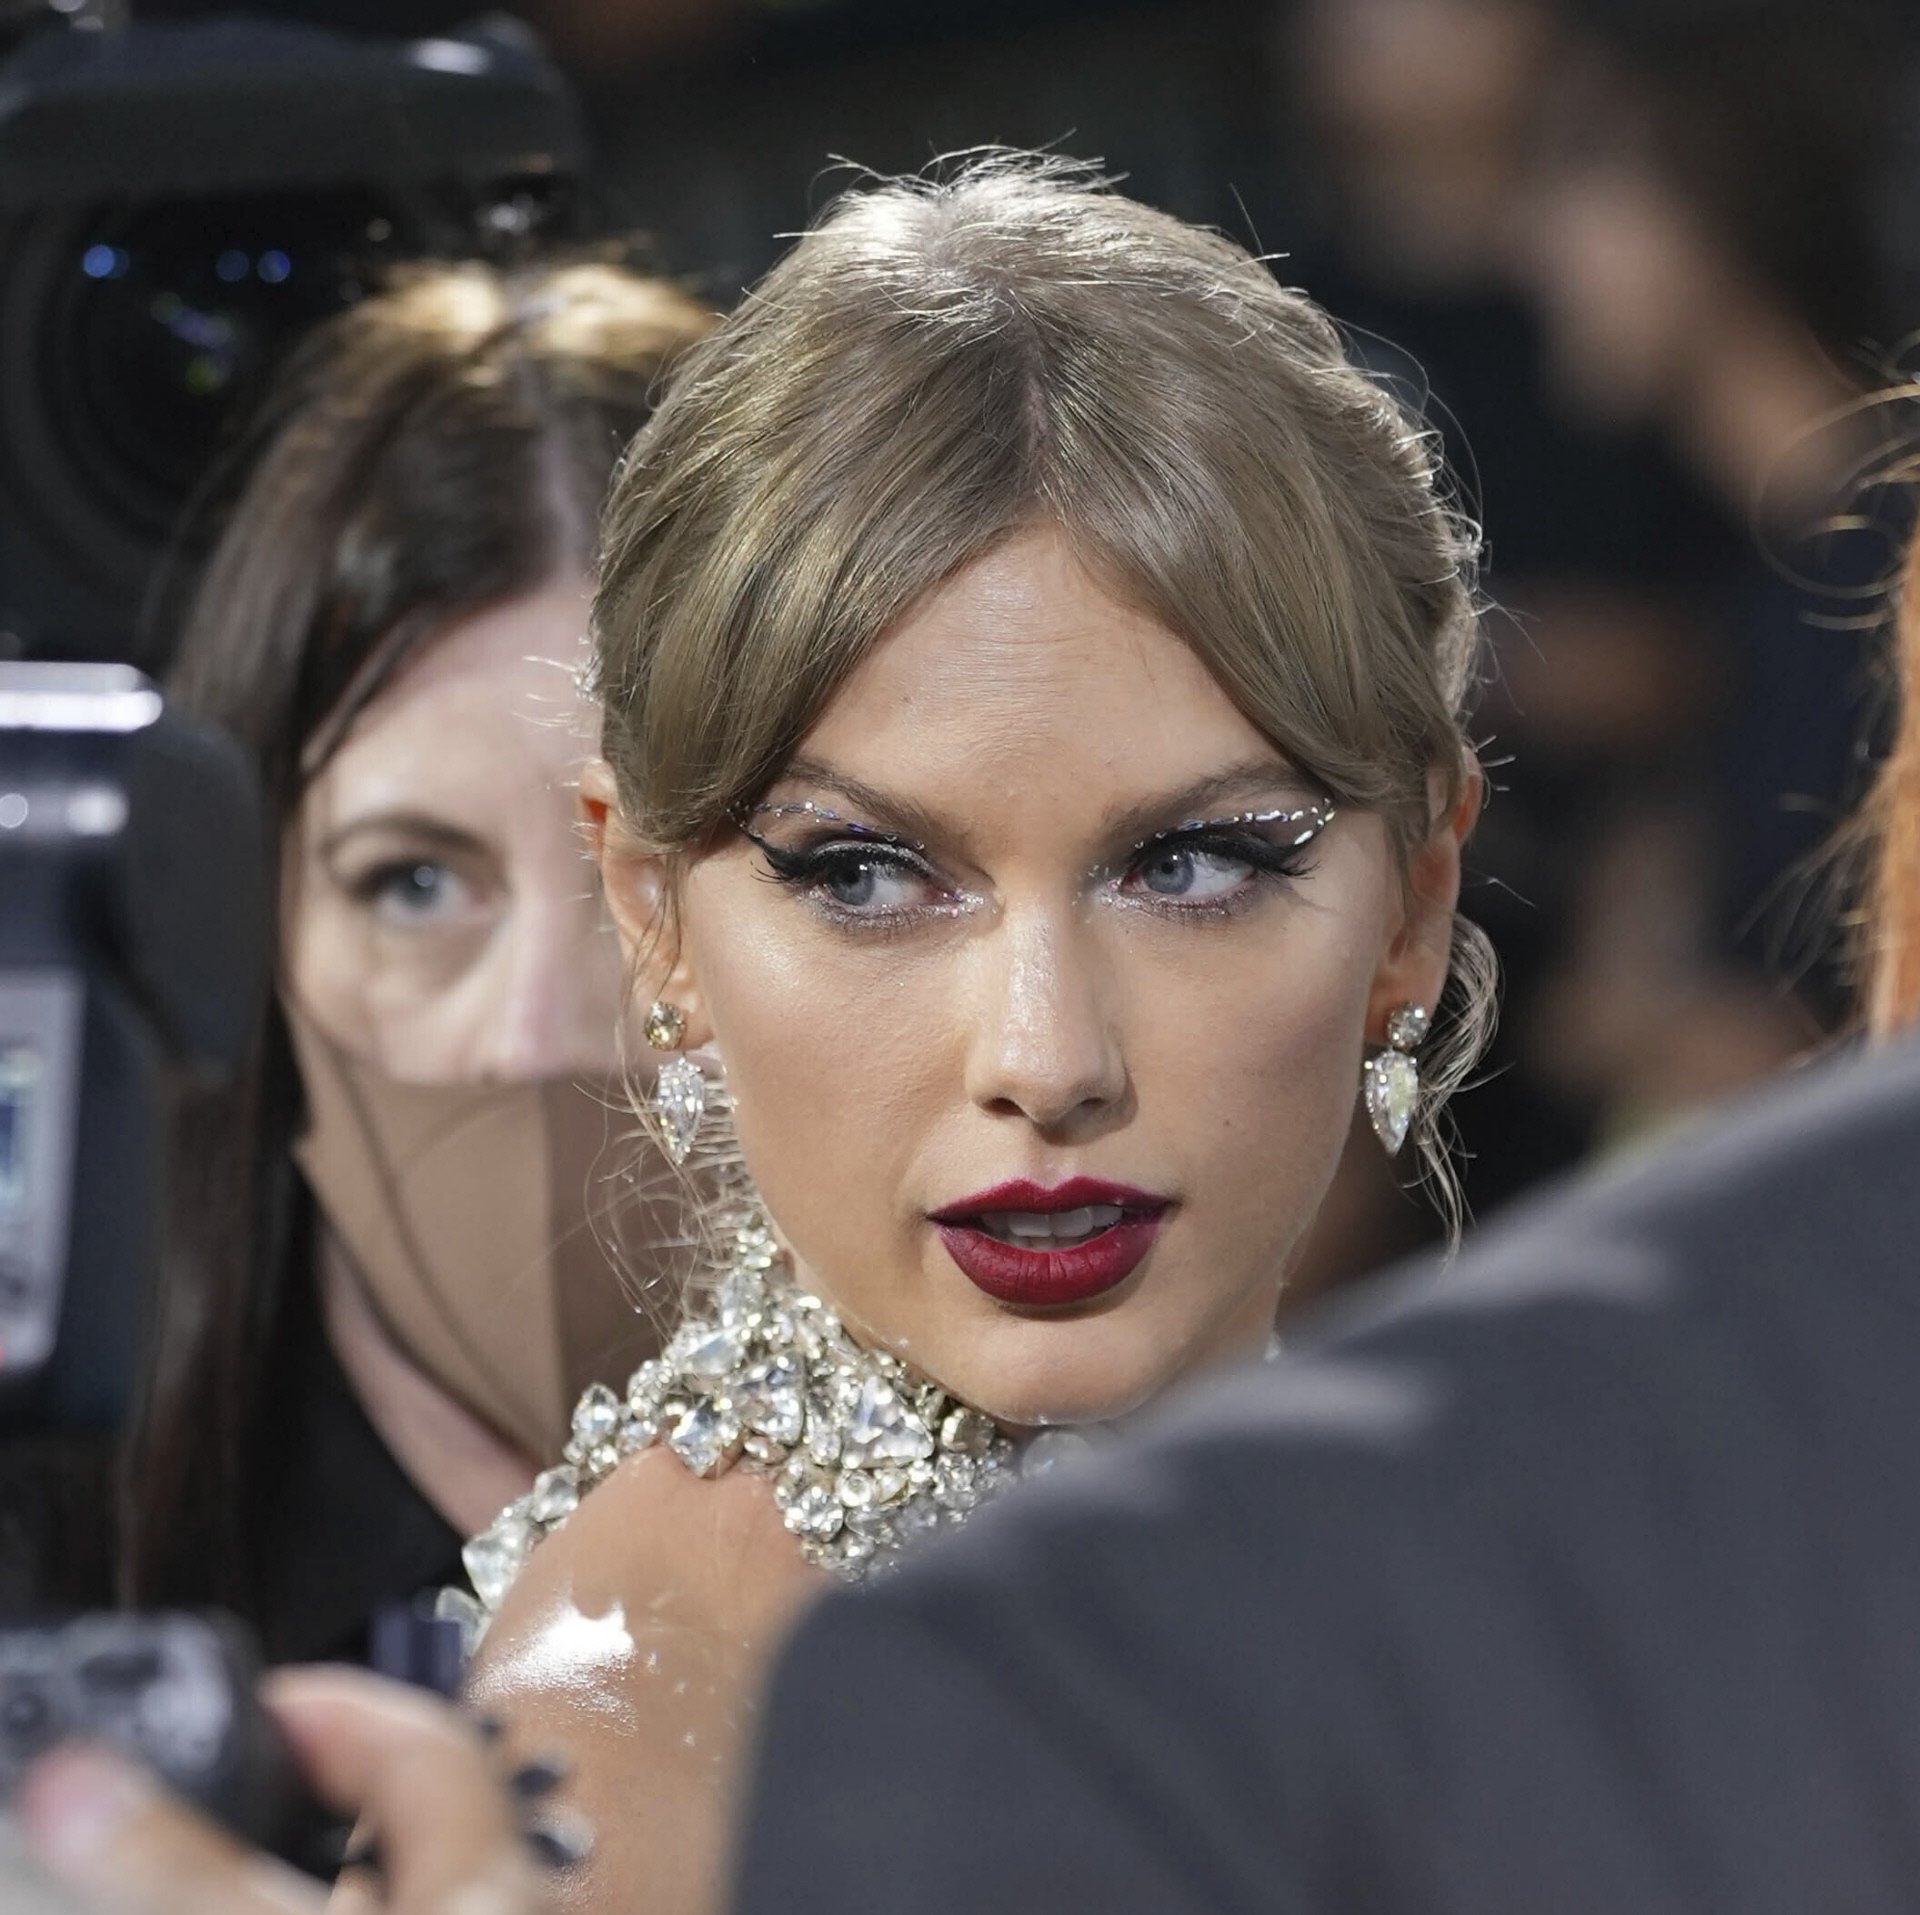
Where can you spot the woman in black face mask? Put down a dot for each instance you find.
(386, 1277)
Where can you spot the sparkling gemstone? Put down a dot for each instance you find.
(762, 1449)
(456, 1606)
(706, 1352)
(883, 1429)
(889, 1483)
(1393, 1087)
(665, 1026)
(602, 1460)
(680, 1101)
(968, 1432)
(815, 1512)
(768, 1399)
(702, 1438)
(496, 1555)
(1050, 1449)
(637, 1432)
(595, 1416)
(823, 1434)
(1407, 1027)
(954, 1483)
(554, 1496)
(915, 1521)
(855, 1489)
(648, 1384)
(739, 1297)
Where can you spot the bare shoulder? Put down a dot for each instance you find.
(632, 1647)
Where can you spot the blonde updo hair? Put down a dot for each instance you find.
(942, 362)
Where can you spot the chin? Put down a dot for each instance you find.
(1028, 1372)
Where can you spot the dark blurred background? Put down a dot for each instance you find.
(1639, 262)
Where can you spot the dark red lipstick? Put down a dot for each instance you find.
(1036, 1270)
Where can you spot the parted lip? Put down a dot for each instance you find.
(1022, 1193)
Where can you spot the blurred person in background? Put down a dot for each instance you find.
(386, 1273)
(1700, 236)
(1625, 256)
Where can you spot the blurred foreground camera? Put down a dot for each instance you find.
(179, 202)
(133, 913)
(132, 959)
(177, 1693)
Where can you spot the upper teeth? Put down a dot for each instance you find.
(1055, 1225)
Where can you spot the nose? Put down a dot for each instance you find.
(1044, 1045)
(552, 1006)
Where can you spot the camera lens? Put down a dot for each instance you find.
(132, 336)
(27, 1721)
(121, 1672)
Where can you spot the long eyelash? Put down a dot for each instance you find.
(1275, 860)
(806, 864)
(1311, 820)
(1269, 860)
(1270, 864)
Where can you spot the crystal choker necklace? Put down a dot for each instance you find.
(866, 1455)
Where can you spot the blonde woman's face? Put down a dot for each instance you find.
(1042, 988)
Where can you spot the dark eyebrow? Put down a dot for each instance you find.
(417, 825)
(1224, 790)
(900, 815)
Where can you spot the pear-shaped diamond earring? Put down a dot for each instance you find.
(1390, 1079)
(679, 1091)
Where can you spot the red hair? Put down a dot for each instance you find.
(1893, 884)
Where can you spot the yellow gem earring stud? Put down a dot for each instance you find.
(679, 1091)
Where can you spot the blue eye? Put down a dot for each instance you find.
(415, 893)
(1202, 870)
(1192, 873)
(867, 882)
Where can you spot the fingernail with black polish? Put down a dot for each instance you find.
(559, 1841)
(365, 1853)
(541, 1776)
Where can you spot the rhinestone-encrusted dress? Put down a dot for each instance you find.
(866, 1455)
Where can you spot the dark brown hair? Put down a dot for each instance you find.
(440, 448)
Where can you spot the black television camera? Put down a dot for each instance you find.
(132, 958)
(179, 202)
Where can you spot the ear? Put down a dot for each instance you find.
(1414, 968)
(638, 887)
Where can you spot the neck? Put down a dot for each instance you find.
(463, 1468)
